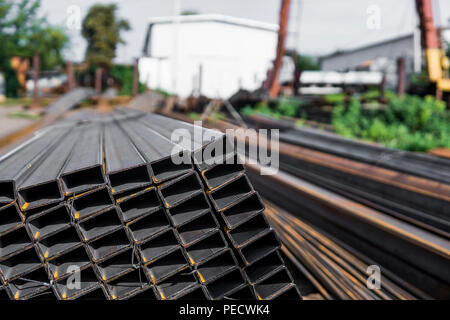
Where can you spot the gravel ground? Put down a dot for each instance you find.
(9, 125)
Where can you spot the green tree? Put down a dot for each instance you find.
(305, 62)
(189, 13)
(23, 33)
(101, 28)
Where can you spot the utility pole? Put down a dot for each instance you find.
(294, 35)
(136, 78)
(400, 76)
(35, 103)
(70, 77)
(282, 32)
(98, 80)
(175, 49)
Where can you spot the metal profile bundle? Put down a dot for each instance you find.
(409, 186)
(309, 247)
(90, 203)
(42, 186)
(415, 260)
(100, 197)
(69, 100)
(423, 165)
(239, 209)
(19, 163)
(157, 151)
(10, 218)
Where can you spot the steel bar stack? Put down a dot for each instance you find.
(95, 207)
(335, 271)
(398, 221)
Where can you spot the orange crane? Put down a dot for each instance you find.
(274, 86)
(437, 62)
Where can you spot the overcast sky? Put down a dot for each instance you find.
(324, 25)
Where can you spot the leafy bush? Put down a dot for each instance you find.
(408, 123)
(335, 98)
(124, 75)
(284, 107)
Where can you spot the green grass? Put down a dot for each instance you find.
(194, 116)
(23, 115)
(16, 101)
(24, 101)
(408, 122)
(285, 107)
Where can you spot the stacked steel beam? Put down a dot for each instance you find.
(95, 208)
(239, 210)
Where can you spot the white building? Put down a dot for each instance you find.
(213, 55)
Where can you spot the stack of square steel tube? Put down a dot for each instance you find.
(110, 207)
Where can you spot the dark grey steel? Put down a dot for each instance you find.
(126, 167)
(84, 170)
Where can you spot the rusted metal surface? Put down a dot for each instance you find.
(410, 253)
(334, 271)
(409, 182)
(407, 251)
(441, 152)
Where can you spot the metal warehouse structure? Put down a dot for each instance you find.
(381, 56)
(214, 55)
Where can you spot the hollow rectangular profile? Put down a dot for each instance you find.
(242, 211)
(166, 266)
(14, 242)
(180, 189)
(90, 203)
(49, 222)
(158, 246)
(249, 230)
(272, 286)
(34, 283)
(216, 266)
(148, 226)
(139, 204)
(197, 229)
(206, 248)
(226, 285)
(126, 285)
(176, 286)
(264, 267)
(118, 265)
(230, 193)
(259, 248)
(108, 245)
(59, 243)
(224, 172)
(10, 218)
(88, 282)
(19, 264)
(189, 210)
(68, 263)
(106, 222)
